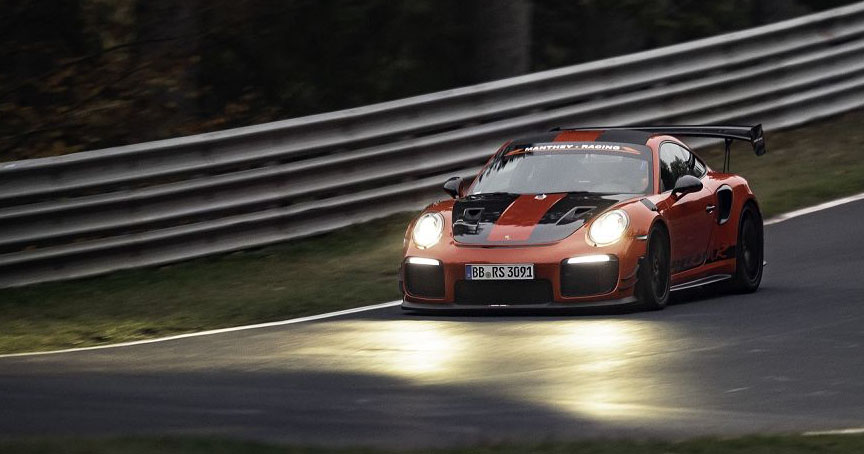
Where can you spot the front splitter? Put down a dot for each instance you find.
(551, 306)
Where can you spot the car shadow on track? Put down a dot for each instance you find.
(491, 314)
(687, 297)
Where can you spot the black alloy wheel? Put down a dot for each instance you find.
(750, 252)
(652, 288)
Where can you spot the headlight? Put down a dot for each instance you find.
(428, 230)
(609, 227)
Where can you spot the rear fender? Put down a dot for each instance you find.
(725, 238)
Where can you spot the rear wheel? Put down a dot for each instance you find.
(749, 254)
(652, 286)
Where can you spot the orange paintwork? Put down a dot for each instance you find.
(577, 136)
(690, 227)
(518, 220)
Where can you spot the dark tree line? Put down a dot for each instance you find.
(86, 74)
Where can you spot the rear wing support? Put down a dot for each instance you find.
(752, 134)
(726, 153)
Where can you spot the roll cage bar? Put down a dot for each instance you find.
(752, 134)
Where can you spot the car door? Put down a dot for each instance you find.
(690, 218)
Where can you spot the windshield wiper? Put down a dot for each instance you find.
(601, 193)
(485, 194)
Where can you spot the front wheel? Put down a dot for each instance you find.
(749, 254)
(652, 286)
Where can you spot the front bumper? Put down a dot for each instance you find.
(550, 269)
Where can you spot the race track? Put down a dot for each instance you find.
(788, 358)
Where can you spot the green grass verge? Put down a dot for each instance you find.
(838, 444)
(354, 266)
(347, 268)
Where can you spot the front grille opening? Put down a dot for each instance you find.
(585, 279)
(537, 291)
(426, 281)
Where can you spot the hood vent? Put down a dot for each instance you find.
(472, 215)
(469, 221)
(576, 214)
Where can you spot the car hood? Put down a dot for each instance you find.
(525, 219)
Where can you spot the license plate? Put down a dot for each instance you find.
(499, 272)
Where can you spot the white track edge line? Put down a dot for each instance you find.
(854, 431)
(814, 208)
(774, 220)
(292, 321)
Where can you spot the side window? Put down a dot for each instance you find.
(675, 162)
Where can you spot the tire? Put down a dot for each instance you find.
(749, 252)
(652, 285)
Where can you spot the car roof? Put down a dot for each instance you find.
(599, 135)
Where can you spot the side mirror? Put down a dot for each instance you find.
(685, 185)
(453, 186)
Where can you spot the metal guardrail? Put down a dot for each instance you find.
(159, 202)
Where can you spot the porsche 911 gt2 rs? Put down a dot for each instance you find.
(582, 217)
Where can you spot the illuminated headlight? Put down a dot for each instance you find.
(609, 227)
(428, 230)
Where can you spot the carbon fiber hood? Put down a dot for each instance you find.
(526, 219)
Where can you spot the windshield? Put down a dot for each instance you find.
(594, 167)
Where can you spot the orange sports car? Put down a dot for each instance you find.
(583, 217)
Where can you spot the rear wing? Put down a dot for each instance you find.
(752, 134)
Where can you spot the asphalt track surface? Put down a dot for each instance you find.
(788, 358)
